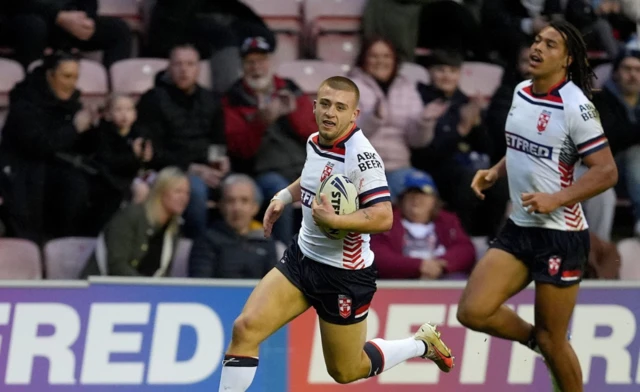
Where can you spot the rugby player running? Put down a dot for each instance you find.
(336, 277)
(552, 125)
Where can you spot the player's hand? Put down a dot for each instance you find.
(540, 203)
(484, 179)
(271, 216)
(323, 213)
(431, 269)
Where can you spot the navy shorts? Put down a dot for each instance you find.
(552, 256)
(339, 296)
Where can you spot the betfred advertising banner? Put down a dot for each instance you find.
(125, 337)
(604, 336)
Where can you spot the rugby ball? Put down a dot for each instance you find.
(343, 196)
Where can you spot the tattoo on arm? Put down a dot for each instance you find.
(366, 215)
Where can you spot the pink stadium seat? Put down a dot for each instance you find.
(135, 76)
(66, 257)
(204, 79)
(11, 72)
(603, 73)
(327, 18)
(180, 267)
(308, 74)
(280, 15)
(19, 259)
(338, 48)
(288, 48)
(414, 72)
(629, 250)
(480, 79)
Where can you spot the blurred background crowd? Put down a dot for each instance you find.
(146, 137)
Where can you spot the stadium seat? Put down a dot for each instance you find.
(280, 15)
(330, 21)
(65, 258)
(338, 48)
(629, 250)
(480, 79)
(204, 78)
(414, 72)
(128, 10)
(603, 73)
(308, 74)
(135, 76)
(11, 72)
(287, 49)
(19, 259)
(180, 267)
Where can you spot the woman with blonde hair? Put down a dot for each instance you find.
(141, 239)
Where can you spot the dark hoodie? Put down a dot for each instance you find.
(448, 147)
(48, 9)
(181, 126)
(38, 126)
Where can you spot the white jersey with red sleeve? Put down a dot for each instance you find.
(547, 136)
(353, 156)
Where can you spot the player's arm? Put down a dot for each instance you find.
(290, 194)
(602, 175)
(500, 168)
(377, 218)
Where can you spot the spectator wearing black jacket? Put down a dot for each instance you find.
(31, 26)
(46, 190)
(235, 246)
(459, 148)
(619, 107)
(185, 122)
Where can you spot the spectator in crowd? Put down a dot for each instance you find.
(460, 147)
(425, 241)
(619, 106)
(44, 179)
(141, 240)
(268, 121)
(390, 109)
(516, 21)
(622, 15)
(235, 246)
(218, 29)
(185, 123)
(33, 25)
(119, 151)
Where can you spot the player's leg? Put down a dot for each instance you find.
(349, 358)
(497, 277)
(554, 306)
(273, 303)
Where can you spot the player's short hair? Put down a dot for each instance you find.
(343, 84)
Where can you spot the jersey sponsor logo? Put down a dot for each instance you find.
(528, 147)
(543, 120)
(368, 160)
(554, 265)
(344, 306)
(588, 112)
(326, 172)
(306, 198)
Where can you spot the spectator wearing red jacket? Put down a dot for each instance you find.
(425, 242)
(267, 123)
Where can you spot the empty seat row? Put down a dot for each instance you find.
(64, 258)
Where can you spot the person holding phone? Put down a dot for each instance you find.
(267, 122)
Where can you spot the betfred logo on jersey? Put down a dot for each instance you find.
(543, 120)
(528, 147)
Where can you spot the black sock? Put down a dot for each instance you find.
(376, 358)
(238, 361)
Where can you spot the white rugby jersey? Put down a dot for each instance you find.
(353, 156)
(547, 135)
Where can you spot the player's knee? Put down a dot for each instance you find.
(471, 316)
(245, 328)
(343, 375)
(549, 340)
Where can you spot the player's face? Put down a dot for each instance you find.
(238, 206)
(628, 76)
(336, 112)
(418, 207)
(549, 54)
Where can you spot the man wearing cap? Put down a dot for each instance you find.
(268, 120)
(619, 107)
(425, 242)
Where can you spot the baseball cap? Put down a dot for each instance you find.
(255, 45)
(420, 181)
